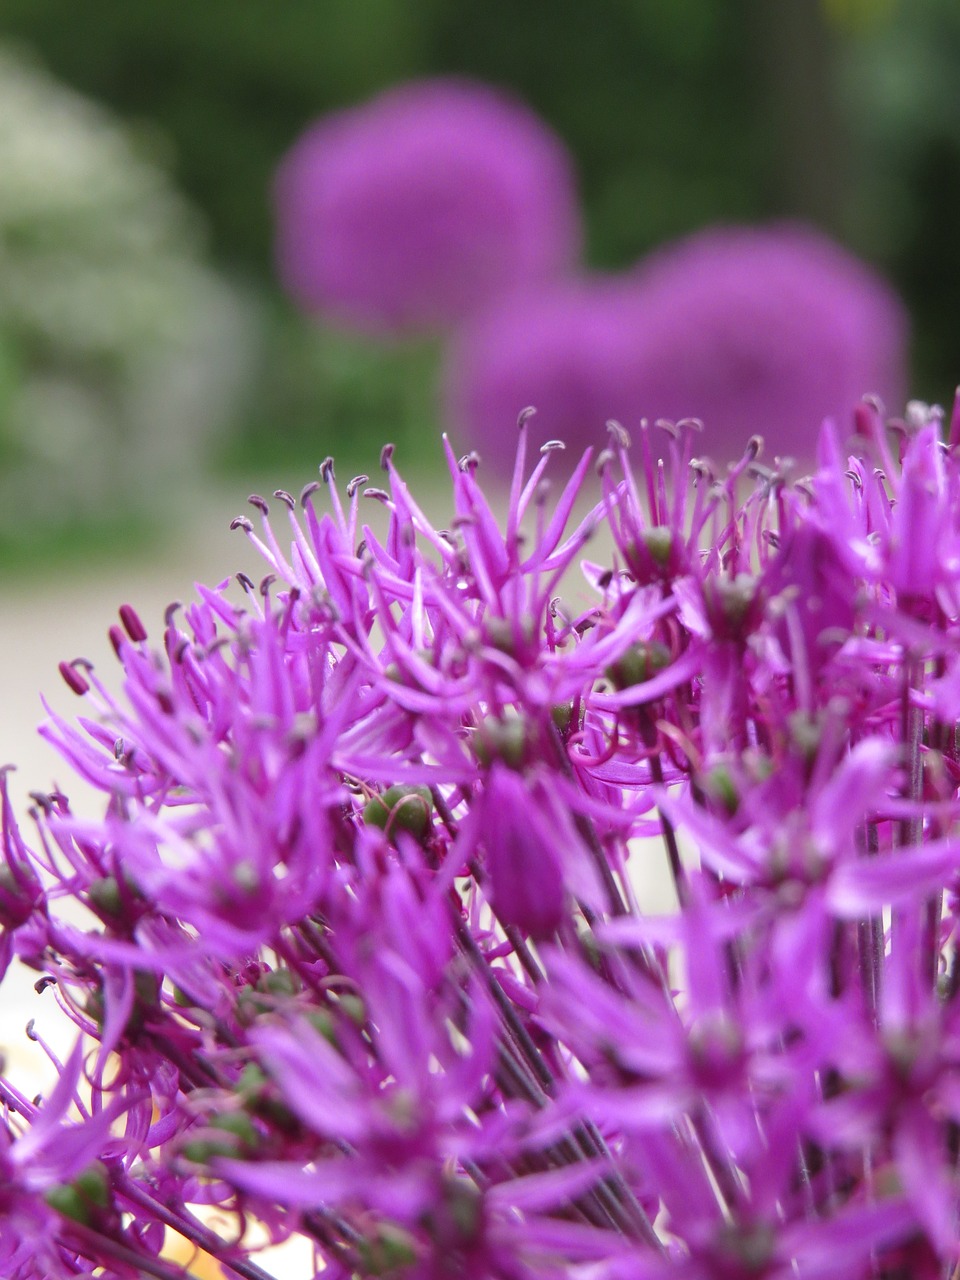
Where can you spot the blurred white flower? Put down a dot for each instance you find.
(121, 353)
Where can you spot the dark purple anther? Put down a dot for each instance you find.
(132, 624)
(74, 679)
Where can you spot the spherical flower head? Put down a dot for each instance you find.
(566, 348)
(413, 210)
(764, 331)
(751, 330)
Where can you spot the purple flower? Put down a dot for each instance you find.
(418, 208)
(764, 331)
(362, 945)
(566, 347)
(761, 330)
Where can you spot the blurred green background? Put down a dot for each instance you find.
(678, 113)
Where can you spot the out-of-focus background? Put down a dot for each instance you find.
(141, 319)
(152, 368)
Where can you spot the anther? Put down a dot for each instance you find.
(285, 497)
(132, 624)
(618, 434)
(73, 678)
(355, 484)
(241, 522)
(326, 470)
(524, 416)
(754, 447)
(260, 503)
(386, 456)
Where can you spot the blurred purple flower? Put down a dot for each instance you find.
(567, 348)
(767, 331)
(754, 331)
(413, 210)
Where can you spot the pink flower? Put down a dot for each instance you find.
(416, 209)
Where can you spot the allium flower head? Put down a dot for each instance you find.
(567, 347)
(364, 955)
(417, 208)
(766, 331)
(752, 330)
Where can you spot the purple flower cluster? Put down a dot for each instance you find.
(444, 205)
(364, 959)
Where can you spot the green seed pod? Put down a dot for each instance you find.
(640, 663)
(105, 896)
(353, 1007)
(503, 739)
(94, 1184)
(322, 1021)
(406, 808)
(718, 783)
(464, 1202)
(239, 1124)
(65, 1200)
(278, 982)
(388, 1248)
(81, 1199)
(252, 1080)
(562, 716)
(503, 633)
(658, 540)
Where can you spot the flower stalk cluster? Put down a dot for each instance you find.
(364, 957)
